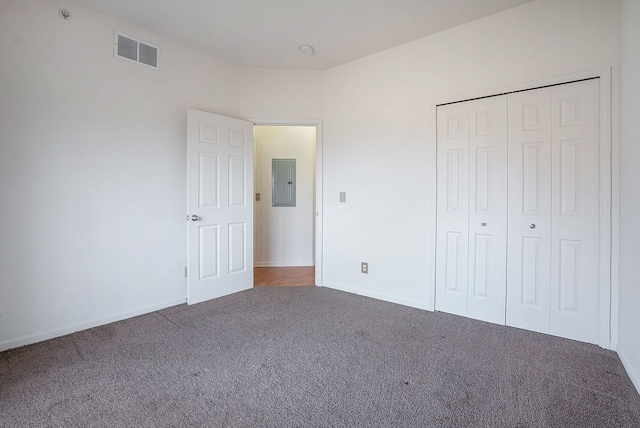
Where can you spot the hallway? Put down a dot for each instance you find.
(284, 276)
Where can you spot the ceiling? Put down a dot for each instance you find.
(268, 33)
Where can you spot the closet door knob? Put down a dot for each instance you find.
(532, 226)
(483, 224)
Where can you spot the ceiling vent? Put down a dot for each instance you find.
(132, 49)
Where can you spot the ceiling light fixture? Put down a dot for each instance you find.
(306, 49)
(64, 14)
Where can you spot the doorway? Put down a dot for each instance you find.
(287, 250)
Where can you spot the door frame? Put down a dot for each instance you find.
(609, 195)
(317, 123)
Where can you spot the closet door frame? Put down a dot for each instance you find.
(609, 161)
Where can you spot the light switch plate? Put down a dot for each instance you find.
(257, 197)
(343, 196)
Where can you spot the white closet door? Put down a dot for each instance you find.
(452, 208)
(487, 209)
(575, 227)
(472, 190)
(529, 224)
(554, 219)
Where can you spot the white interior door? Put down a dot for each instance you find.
(219, 204)
(529, 223)
(452, 200)
(554, 211)
(532, 258)
(472, 209)
(575, 221)
(488, 209)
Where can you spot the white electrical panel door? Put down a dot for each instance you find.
(471, 201)
(283, 182)
(219, 204)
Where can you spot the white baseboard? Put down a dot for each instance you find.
(50, 334)
(380, 296)
(631, 370)
(284, 264)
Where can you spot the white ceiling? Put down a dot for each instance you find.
(267, 33)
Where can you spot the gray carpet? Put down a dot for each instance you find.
(306, 356)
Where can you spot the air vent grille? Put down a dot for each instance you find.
(132, 49)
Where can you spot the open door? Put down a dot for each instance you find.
(219, 205)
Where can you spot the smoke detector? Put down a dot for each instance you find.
(306, 49)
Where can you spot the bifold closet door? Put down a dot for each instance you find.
(472, 209)
(554, 211)
(529, 219)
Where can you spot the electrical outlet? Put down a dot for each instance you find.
(364, 267)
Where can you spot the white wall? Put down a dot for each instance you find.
(629, 342)
(92, 162)
(282, 94)
(93, 165)
(379, 131)
(284, 236)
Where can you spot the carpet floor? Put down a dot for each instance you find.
(312, 357)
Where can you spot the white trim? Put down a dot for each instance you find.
(606, 242)
(379, 296)
(318, 223)
(97, 322)
(626, 362)
(431, 261)
(614, 207)
(608, 333)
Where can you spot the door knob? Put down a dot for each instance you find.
(483, 224)
(195, 218)
(532, 226)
